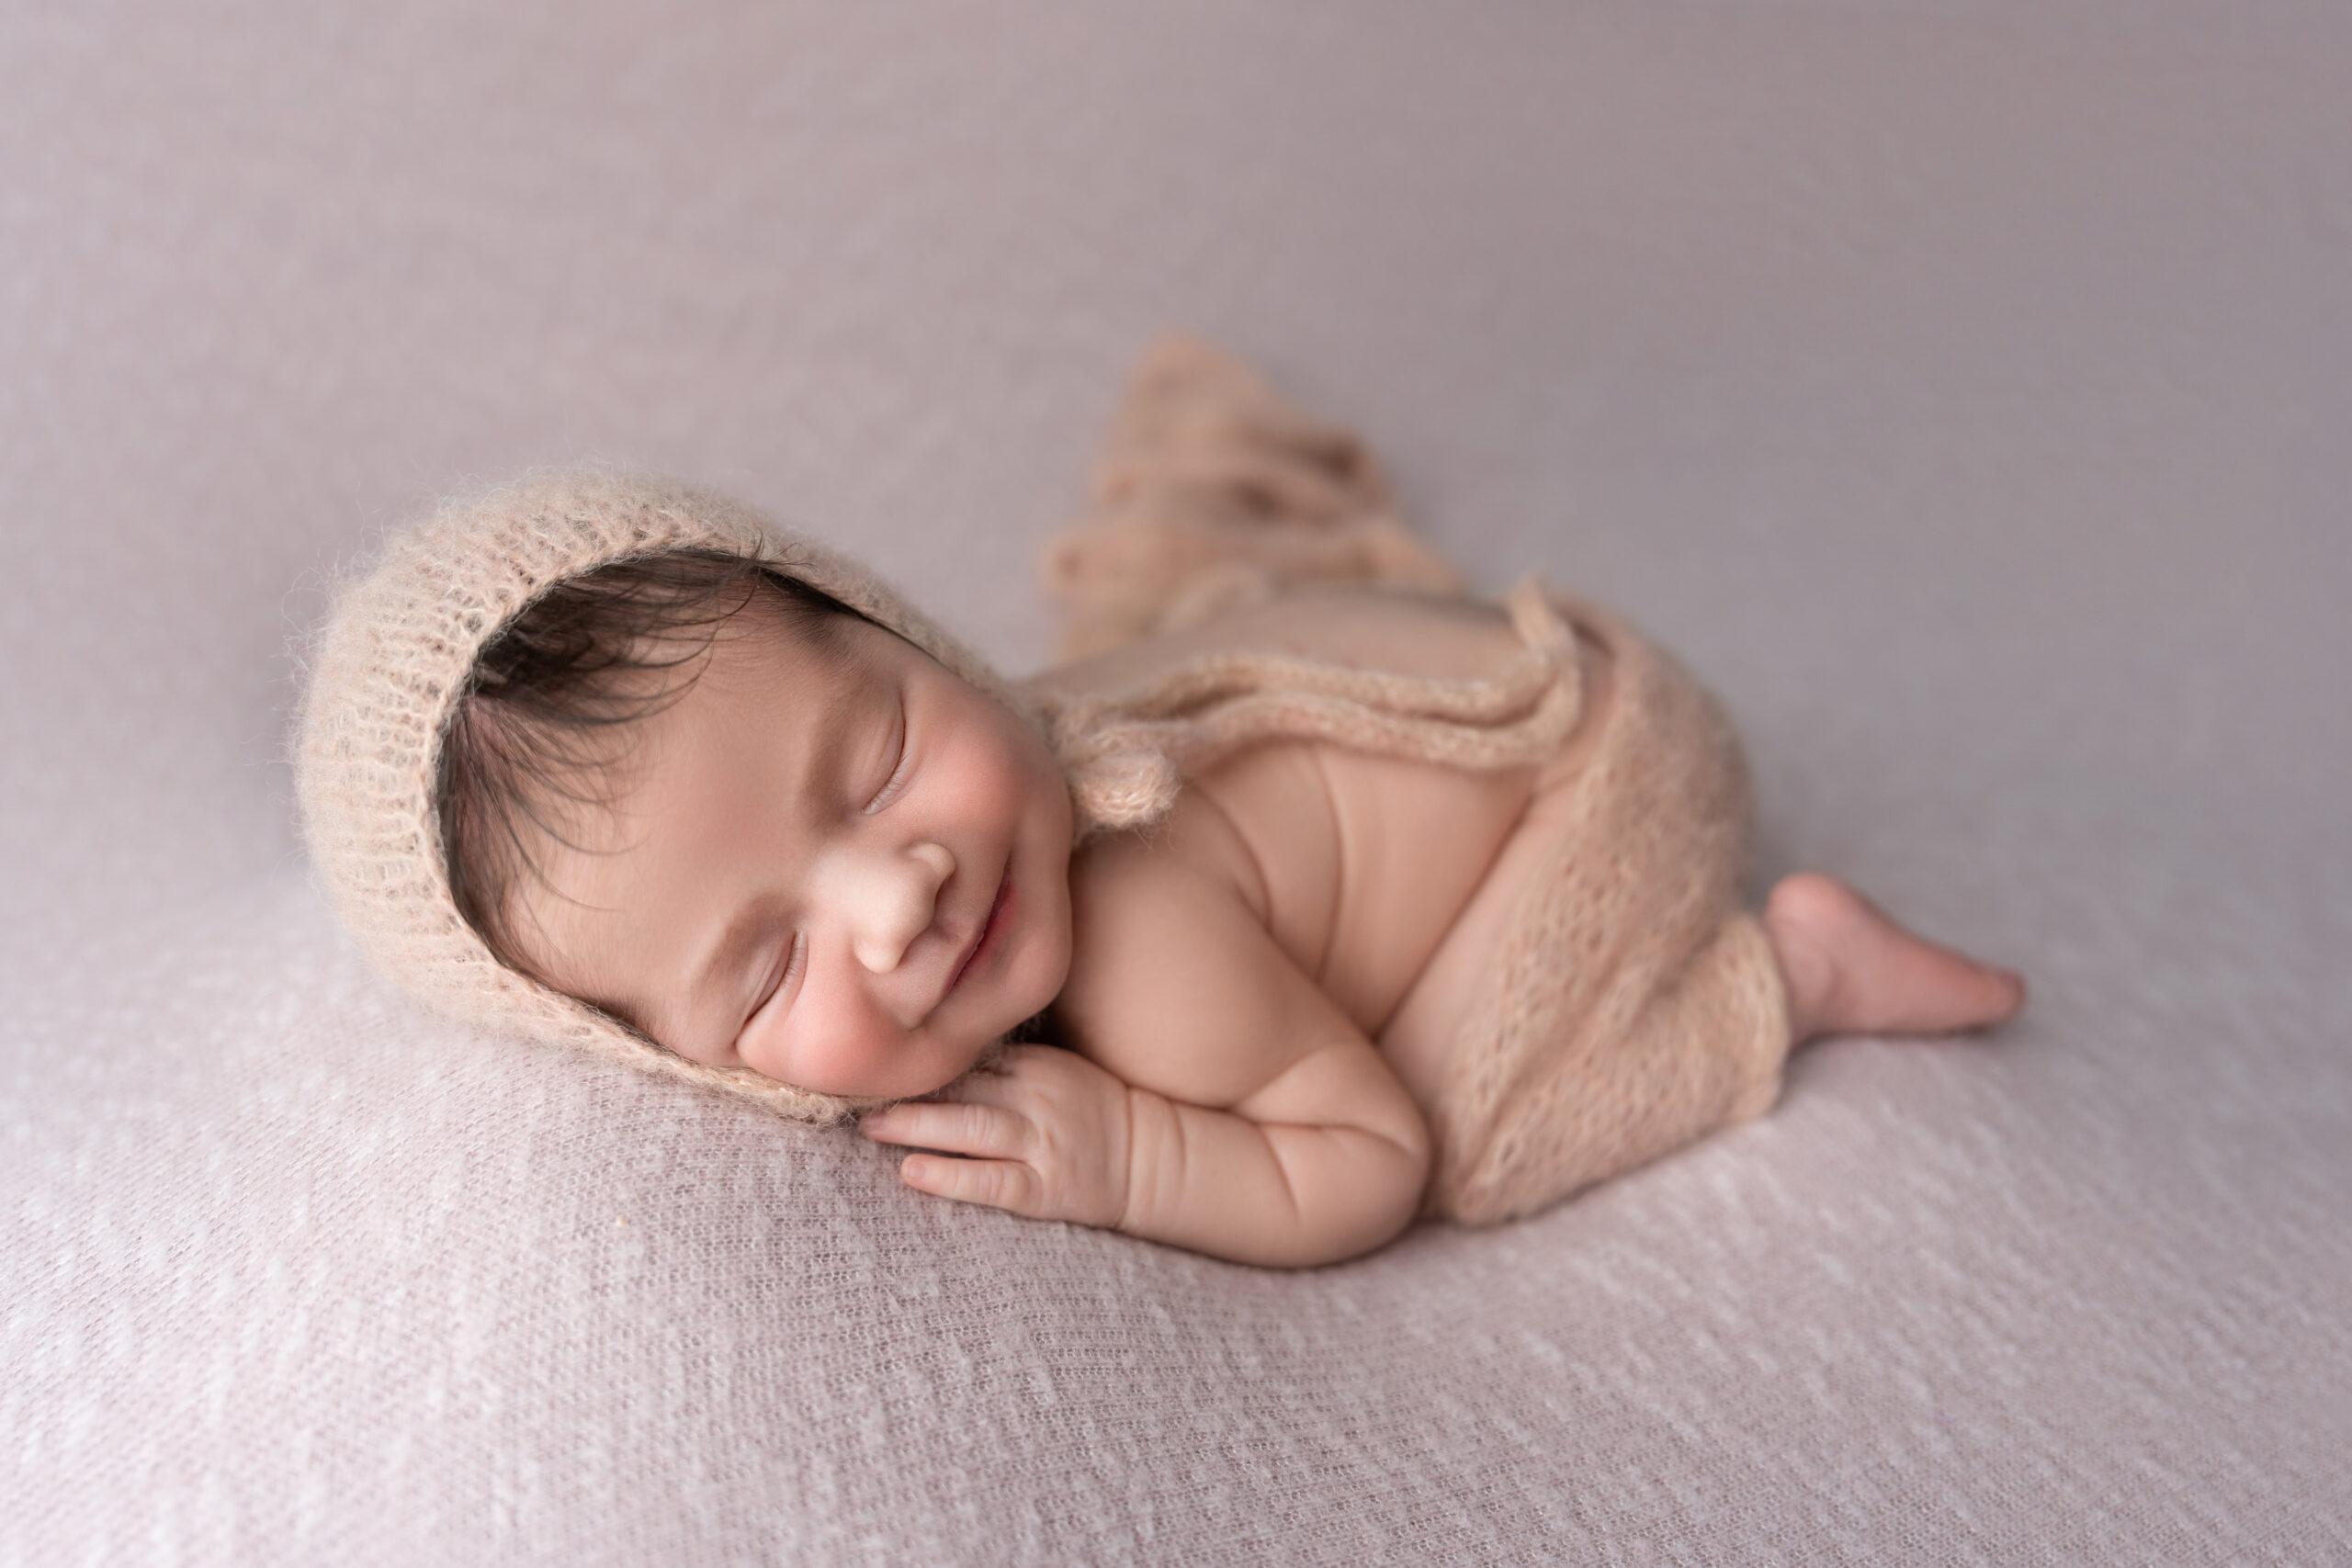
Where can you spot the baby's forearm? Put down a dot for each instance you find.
(1279, 1194)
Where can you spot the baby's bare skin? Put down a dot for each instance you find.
(1378, 876)
(1280, 968)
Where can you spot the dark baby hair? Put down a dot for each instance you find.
(548, 706)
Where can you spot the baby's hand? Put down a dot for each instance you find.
(1045, 1135)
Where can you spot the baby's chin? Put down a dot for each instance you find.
(1038, 1028)
(919, 1069)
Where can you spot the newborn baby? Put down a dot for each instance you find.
(1325, 899)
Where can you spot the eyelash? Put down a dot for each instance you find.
(793, 963)
(898, 772)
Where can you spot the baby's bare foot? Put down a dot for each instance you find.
(1852, 970)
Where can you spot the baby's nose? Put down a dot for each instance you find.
(889, 898)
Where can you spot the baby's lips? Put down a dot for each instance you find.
(1002, 901)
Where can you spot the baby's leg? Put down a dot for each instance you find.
(1683, 1049)
(1628, 1005)
(1852, 970)
(1625, 1005)
(1668, 1053)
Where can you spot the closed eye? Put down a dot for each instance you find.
(899, 769)
(796, 960)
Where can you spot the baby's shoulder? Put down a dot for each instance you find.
(1176, 983)
(1198, 852)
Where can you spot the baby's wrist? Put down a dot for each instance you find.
(1146, 1185)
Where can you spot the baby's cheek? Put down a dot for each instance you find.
(822, 1045)
(836, 1069)
(1042, 791)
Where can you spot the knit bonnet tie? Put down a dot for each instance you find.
(1126, 756)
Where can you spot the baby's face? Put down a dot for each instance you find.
(848, 870)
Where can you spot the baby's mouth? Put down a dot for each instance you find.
(989, 928)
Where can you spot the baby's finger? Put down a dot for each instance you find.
(960, 1127)
(1000, 1184)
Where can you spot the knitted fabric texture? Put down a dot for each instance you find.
(1126, 756)
(1212, 492)
(1630, 1006)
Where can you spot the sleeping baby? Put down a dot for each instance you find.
(1308, 896)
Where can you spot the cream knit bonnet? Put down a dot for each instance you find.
(386, 675)
(397, 650)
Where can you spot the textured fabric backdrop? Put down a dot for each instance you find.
(1961, 388)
